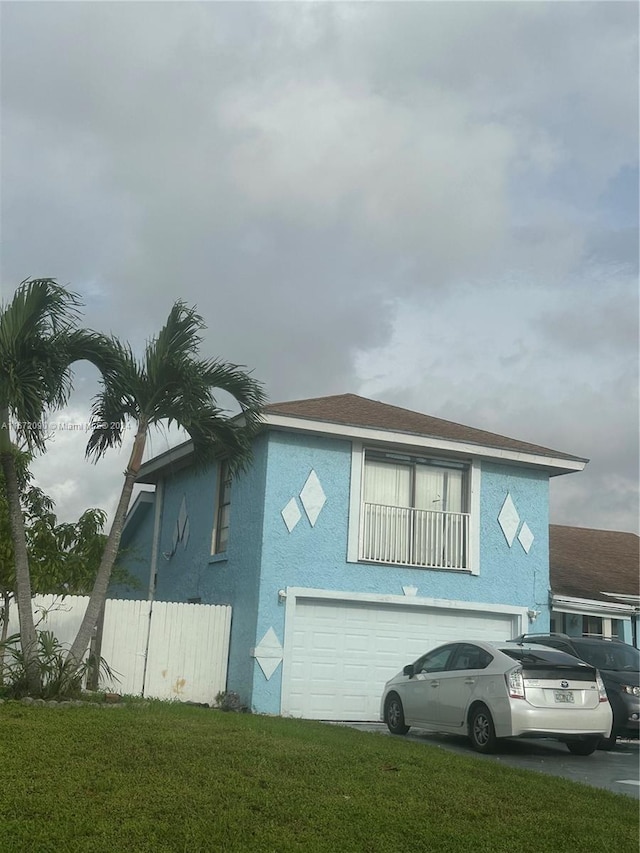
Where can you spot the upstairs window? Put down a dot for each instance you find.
(417, 483)
(415, 511)
(223, 508)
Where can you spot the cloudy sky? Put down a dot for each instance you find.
(431, 204)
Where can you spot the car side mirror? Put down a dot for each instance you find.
(408, 670)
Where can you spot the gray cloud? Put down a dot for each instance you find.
(419, 201)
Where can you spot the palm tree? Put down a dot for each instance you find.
(39, 341)
(169, 385)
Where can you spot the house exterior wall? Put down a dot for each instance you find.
(264, 557)
(315, 556)
(188, 570)
(135, 556)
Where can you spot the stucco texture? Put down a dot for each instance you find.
(316, 556)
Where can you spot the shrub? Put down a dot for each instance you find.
(227, 700)
(60, 679)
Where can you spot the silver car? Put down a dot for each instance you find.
(490, 691)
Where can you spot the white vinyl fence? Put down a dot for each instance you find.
(158, 649)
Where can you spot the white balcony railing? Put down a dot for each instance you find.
(414, 537)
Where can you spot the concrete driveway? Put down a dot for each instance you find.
(617, 770)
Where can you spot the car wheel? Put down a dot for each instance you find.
(583, 747)
(482, 732)
(394, 715)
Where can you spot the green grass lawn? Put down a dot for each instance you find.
(180, 778)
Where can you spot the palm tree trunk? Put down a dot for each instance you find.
(28, 636)
(6, 604)
(99, 591)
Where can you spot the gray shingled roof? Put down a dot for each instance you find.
(352, 410)
(584, 563)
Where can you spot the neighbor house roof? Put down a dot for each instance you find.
(352, 410)
(586, 563)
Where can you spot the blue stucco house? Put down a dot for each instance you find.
(361, 535)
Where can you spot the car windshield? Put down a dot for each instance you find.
(613, 656)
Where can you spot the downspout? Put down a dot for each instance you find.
(153, 569)
(155, 543)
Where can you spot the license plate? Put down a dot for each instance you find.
(565, 696)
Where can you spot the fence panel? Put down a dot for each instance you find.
(186, 646)
(124, 643)
(61, 616)
(188, 651)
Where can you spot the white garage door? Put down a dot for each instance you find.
(343, 652)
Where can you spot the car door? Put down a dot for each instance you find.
(458, 683)
(420, 694)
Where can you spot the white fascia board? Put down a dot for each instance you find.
(630, 599)
(143, 498)
(367, 434)
(294, 592)
(165, 460)
(569, 604)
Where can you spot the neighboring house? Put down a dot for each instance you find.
(361, 535)
(595, 582)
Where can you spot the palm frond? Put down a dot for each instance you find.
(102, 351)
(38, 344)
(178, 341)
(118, 400)
(39, 306)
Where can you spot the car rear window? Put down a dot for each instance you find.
(535, 657)
(619, 657)
(550, 663)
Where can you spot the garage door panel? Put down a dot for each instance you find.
(356, 642)
(356, 672)
(320, 671)
(342, 653)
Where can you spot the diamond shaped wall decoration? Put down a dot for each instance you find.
(313, 497)
(509, 519)
(291, 514)
(268, 653)
(525, 537)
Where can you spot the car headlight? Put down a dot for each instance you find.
(631, 689)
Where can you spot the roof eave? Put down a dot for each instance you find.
(571, 604)
(555, 465)
(178, 457)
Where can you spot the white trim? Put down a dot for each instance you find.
(172, 457)
(369, 434)
(475, 479)
(144, 496)
(293, 593)
(354, 526)
(630, 599)
(155, 544)
(355, 493)
(569, 604)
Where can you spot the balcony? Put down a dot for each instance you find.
(414, 537)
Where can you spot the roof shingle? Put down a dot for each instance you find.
(584, 563)
(352, 410)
